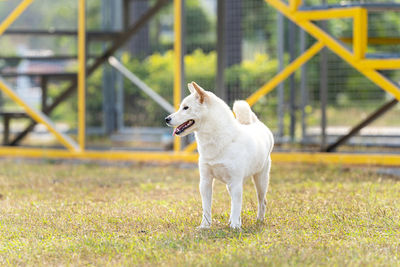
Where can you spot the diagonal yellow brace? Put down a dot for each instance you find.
(39, 117)
(14, 15)
(292, 67)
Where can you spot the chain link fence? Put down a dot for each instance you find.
(232, 47)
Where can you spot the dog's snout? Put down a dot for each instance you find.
(168, 119)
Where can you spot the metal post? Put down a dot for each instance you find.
(107, 10)
(112, 81)
(121, 93)
(179, 64)
(323, 88)
(303, 88)
(119, 102)
(82, 74)
(221, 52)
(139, 46)
(292, 96)
(126, 14)
(233, 27)
(281, 86)
(119, 24)
(184, 90)
(6, 131)
(43, 85)
(323, 95)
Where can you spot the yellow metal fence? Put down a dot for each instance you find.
(368, 67)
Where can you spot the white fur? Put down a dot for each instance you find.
(230, 149)
(243, 112)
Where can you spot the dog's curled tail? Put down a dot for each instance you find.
(243, 112)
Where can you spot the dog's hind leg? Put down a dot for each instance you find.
(261, 181)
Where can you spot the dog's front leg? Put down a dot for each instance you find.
(236, 192)
(206, 184)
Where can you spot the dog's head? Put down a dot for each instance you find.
(191, 111)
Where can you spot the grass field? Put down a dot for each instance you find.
(88, 214)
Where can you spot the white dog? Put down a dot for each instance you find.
(230, 149)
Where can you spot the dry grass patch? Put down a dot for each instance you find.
(88, 214)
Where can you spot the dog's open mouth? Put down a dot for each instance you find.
(181, 128)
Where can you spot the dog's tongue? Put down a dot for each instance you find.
(178, 129)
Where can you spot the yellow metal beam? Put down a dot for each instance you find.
(145, 156)
(360, 33)
(381, 64)
(191, 147)
(14, 15)
(294, 4)
(177, 63)
(39, 117)
(381, 81)
(374, 40)
(326, 14)
(339, 158)
(99, 155)
(292, 67)
(81, 73)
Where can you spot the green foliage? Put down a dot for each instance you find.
(197, 22)
(157, 71)
(199, 27)
(252, 73)
(201, 67)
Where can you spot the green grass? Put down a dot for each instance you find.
(87, 214)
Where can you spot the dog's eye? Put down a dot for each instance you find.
(185, 107)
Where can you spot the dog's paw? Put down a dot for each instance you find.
(260, 220)
(203, 227)
(235, 226)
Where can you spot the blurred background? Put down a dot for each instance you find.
(231, 47)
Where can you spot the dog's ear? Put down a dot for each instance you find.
(191, 88)
(200, 92)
